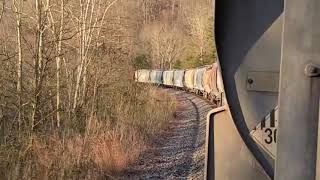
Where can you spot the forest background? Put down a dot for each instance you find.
(69, 106)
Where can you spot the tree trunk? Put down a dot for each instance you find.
(18, 10)
(37, 66)
(58, 62)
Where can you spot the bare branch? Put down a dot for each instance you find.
(2, 9)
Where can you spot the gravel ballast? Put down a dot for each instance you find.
(179, 152)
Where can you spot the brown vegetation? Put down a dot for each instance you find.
(103, 150)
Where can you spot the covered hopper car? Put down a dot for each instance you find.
(210, 82)
(198, 80)
(178, 78)
(142, 75)
(156, 77)
(168, 78)
(189, 79)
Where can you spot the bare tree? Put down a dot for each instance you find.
(58, 35)
(18, 7)
(41, 8)
(3, 3)
(91, 19)
(58, 60)
(198, 24)
(165, 42)
(197, 16)
(67, 65)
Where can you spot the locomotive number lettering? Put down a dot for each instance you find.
(271, 136)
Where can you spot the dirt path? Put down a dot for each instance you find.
(180, 151)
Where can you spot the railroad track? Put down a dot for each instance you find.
(179, 153)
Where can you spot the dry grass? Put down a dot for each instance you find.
(103, 151)
(104, 154)
(111, 156)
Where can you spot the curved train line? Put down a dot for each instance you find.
(205, 81)
(179, 151)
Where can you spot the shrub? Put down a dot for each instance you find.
(104, 150)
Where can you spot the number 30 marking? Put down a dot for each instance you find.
(272, 136)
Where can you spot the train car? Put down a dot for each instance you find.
(220, 83)
(142, 75)
(168, 78)
(159, 77)
(156, 76)
(178, 77)
(209, 82)
(189, 79)
(198, 79)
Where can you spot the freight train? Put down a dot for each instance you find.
(205, 81)
(268, 126)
